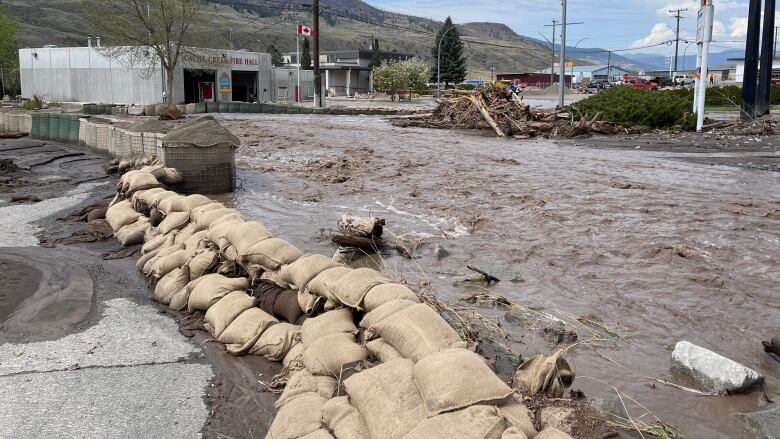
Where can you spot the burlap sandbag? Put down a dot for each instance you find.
(195, 242)
(519, 417)
(353, 287)
(294, 357)
(322, 284)
(547, 375)
(286, 306)
(133, 233)
(141, 181)
(319, 434)
(202, 263)
(179, 300)
(244, 330)
(245, 235)
(417, 331)
(456, 378)
(302, 381)
(165, 264)
(477, 422)
(174, 221)
(387, 398)
(301, 415)
(326, 324)
(212, 287)
(169, 176)
(143, 197)
(204, 218)
(155, 199)
(552, 433)
(153, 244)
(382, 351)
(164, 206)
(222, 313)
(218, 230)
(139, 265)
(171, 284)
(384, 293)
(164, 251)
(121, 214)
(185, 233)
(155, 216)
(384, 311)
(311, 304)
(329, 354)
(186, 204)
(513, 433)
(276, 341)
(343, 419)
(201, 210)
(305, 268)
(271, 253)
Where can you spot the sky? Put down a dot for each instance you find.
(609, 24)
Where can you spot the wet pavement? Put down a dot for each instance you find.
(655, 245)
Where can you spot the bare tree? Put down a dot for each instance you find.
(145, 32)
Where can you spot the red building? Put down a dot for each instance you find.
(531, 79)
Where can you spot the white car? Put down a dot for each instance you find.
(682, 80)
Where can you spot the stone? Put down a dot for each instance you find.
(713, 371)
(557, 417)
(440, 252)
(764, 423)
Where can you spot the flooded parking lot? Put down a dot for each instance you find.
(658, 246)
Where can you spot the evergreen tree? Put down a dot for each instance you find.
(376, 55)
(276, 55)
(453, 62)
(9, 57)
(305, 55)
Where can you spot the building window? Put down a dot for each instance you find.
(311, 91)
(281, 93)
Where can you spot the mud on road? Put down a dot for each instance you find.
(658, 244)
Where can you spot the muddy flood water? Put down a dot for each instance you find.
(656, 248)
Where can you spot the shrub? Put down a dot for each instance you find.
(629, 106)
(36, 103)
(466, 86)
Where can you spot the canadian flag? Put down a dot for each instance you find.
(305, 30)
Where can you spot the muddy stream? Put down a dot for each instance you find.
(655, 247)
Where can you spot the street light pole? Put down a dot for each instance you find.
(572, 61)
(438, 62)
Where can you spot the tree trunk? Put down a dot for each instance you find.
(169, 102)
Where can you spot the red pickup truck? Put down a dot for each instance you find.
(643, 83)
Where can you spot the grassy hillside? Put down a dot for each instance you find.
(487, 44)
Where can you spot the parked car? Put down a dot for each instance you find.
(643, 83)
(663, 81)
(682, 80)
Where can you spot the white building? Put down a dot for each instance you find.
(88, 74)
(741, 69)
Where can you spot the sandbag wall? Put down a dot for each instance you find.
(262, 296)
(15, 122)
(118, 141)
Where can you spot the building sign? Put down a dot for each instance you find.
(198, 58)
(224, 83)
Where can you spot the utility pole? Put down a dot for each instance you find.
(767, 57)
(609, 65)
(774, 52)
(319, 100)
(679, 17)
(562, 75)
(552, 47)
(751, 60)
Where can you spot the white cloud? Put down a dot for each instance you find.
(738, 26)
(718, 29)
(660, 33)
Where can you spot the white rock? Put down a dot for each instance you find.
(135, 111)
(712, 371)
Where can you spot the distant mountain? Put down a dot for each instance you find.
(345, 24)
(660, 62)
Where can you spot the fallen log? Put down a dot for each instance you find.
(488, 277)
(485, 114)
(365, 227)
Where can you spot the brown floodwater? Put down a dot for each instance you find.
(657, 248)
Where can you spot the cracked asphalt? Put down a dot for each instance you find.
(83, 351)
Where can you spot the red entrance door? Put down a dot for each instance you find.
(207, 91)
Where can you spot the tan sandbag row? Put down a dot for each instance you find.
(426, 386)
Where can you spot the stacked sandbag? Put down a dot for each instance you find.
(402, 372)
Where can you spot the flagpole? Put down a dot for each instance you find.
(298, 50)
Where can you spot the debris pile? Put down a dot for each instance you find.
(507, 115)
